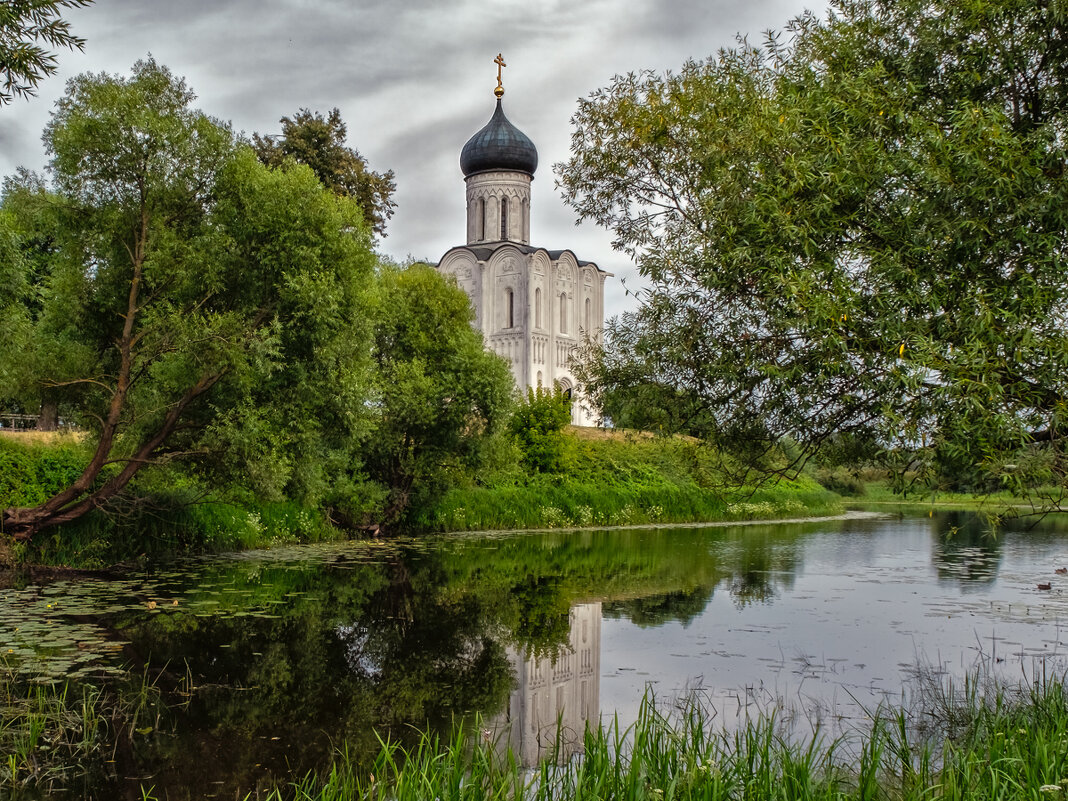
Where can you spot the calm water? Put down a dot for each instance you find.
(269, 660)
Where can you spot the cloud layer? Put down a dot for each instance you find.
(413, 81)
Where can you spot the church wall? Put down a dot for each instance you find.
(507, 334)
(467, 271)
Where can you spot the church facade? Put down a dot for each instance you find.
(533, 306)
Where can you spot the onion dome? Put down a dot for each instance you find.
(499, 146)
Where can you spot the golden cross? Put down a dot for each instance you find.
(499, 61)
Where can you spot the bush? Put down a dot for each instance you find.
(840, 480)
(537, 423)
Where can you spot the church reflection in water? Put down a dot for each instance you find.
(553, 694)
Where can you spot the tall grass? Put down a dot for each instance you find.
(57, 737)
(1007, 745)
(618, 479)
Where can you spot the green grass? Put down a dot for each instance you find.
(996, 506)
(56, 737)
(1008, 745)
(619, 480)
(607, 479)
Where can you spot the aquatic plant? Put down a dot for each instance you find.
(1013, 746)
(57, 736)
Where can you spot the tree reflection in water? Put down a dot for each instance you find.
(298, 656)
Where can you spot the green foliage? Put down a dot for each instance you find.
(637, 403)
(440, 397)
(320, 143)
(536, 424)
(609, 479)
(192, 302)
(28, 29)
(858, 228)
(29, 474)
(841, 480)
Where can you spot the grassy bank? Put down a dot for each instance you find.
(607, 478)
(1004, 745)
(871, 488)
(617, 479)
(167, 512)
(1007, 744)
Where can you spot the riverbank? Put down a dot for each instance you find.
(608, 478)
(877, 495)
(621, 478)
(273, 660)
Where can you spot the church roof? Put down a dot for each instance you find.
(499, 146)
(483, 252)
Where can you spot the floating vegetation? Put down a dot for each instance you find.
(67, 629)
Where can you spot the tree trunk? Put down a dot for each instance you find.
(48, 420)
(77, 499)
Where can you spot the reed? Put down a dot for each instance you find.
(61, 737)
(1009, 745)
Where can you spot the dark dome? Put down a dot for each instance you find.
(499, 146)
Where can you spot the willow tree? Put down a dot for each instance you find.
(861, 228)
(197, 304)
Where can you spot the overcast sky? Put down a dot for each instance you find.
(413, 80)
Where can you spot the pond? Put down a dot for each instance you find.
(270, 660)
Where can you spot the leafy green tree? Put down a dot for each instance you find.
(198, 303)
(35, 216)
(319, 142)
(653, 406)
(536, 424)
(860, 229)
(28, 28)
(440, 394)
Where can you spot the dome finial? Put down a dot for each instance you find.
(499, 61)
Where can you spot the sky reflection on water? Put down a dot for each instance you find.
(867, 607)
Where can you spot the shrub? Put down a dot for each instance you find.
(537, 423)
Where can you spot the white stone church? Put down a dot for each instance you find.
(533, 306)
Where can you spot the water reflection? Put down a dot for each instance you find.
(965, 549)
(271, 660)
(554, 694)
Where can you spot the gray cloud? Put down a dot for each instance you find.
(413, 81)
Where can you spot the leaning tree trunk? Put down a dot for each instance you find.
(80, 497)
(83, 494)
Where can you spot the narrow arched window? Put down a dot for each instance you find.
(537, 307)
(525, 221)
(481, 219)
(587, 315)
(504, 218)
(509, 309)
(563, 312)
(539, 379)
